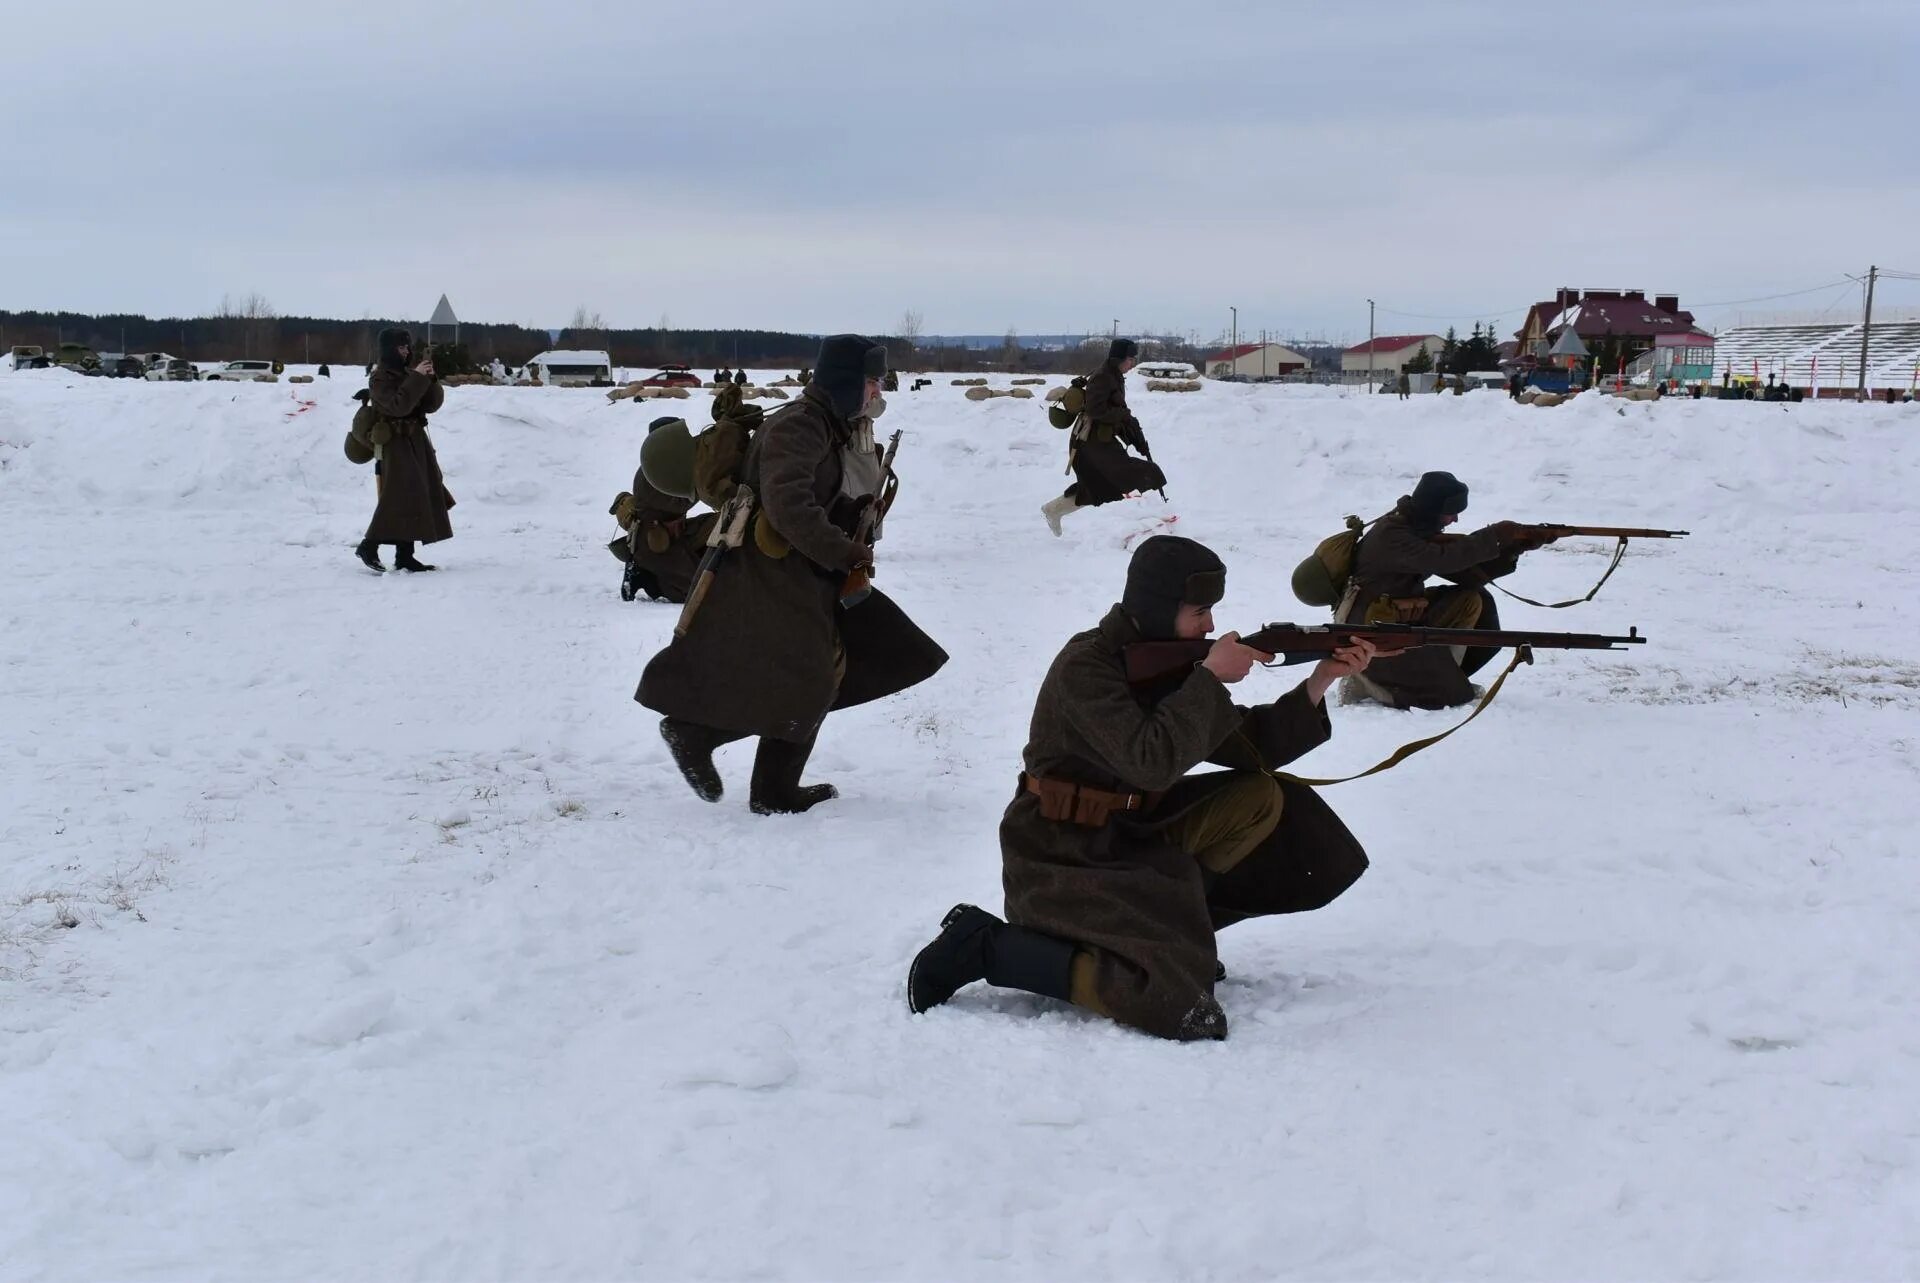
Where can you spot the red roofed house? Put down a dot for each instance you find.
(1614, 325)
(1255, 361)
(1386, 354)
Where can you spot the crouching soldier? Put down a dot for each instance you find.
(786, 632)
(1118, 866)
(662, 545)
(1391, 565)
(1102, 469)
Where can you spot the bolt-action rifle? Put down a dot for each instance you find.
(1153, 661)
(1554, 531)
(859, 581)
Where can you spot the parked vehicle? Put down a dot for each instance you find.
(76, 356)
(27, 356)
(672, 376)
(151, 359)
(126, 367)
(172, 370)
(243, 372)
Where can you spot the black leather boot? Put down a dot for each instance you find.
(403, 559)
(776, 788)
(369, 554)
(692, 746)
(975, 945)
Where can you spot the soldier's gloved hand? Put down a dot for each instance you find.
(1230, 661)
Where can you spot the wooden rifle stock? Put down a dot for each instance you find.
(1154, 661)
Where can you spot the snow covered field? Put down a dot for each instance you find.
(358, 928)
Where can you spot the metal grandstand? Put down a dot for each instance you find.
(1828, 354)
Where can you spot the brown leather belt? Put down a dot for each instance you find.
(1083, 804)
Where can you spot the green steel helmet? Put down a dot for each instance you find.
(666, 457)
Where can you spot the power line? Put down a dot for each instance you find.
(1768, 298)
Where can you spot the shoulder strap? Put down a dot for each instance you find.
(1619, 551)
(1521, 655)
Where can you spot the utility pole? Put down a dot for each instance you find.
(1116, 327)
(1233, 341)
(1866, 331)
(1370, 386)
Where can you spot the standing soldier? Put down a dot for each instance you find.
(1391, 565)
(772, 649)
(1405, 385)
(413, 502)
(1118, 866)
(1102, 469)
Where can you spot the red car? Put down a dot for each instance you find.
(672, 376)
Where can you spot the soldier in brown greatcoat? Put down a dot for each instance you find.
(1389, 585)
(1102, 469)
(771, 651)
(413, 502)
(1118, 866)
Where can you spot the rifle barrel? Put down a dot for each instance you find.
(1614, 532)
(1305, 643)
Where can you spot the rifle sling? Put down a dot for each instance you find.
(1619, 551)
(1521, 655)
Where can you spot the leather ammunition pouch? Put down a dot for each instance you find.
(1397, 610)
(1069, 803)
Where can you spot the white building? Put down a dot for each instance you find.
(1255, 361)
(1387, 354)
(571, 369)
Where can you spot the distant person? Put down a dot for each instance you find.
(1404, 385)
(413, 501)
(1102, 469)
(740, 378)
(497, 370)
(1516, 382)
(325, 373)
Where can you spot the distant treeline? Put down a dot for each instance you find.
(316, 339)
(250, 331)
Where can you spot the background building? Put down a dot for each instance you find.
(1255, 361)
(1389, 353)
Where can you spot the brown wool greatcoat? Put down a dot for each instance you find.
(413, 496)
(1102, 469)
(1145, 908)
(771, 650)
(1395, 560)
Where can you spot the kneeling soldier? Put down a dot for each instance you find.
(663, 543)
(1389, 585)
(1118, 866)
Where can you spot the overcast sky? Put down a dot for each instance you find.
(1046, 166)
